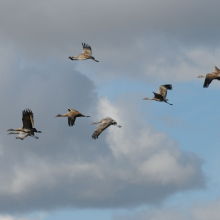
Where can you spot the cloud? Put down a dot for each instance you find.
(151, 40)
(208, 210)
(38, 216)
(125, 167)
(186, 20)
(65, 167)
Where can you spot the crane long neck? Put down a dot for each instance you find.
(65, 115)
(97, 122)
(19, 129)
(150, 98)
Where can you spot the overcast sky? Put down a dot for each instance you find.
(163, 161)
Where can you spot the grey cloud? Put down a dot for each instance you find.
(77, 19)
(208, 210)
(65, 168)
(144, 40)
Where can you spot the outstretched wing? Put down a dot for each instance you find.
(32, 119)
(99, 129)
(28, 119)
(72, 116)
(208, 79)
(163, 90)
(71, 120)
(87, 49)
(158, 96)
(216, 69)
(168, 86)
(73, 111)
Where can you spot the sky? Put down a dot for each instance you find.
(163, 163)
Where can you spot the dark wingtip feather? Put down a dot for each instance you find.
(205, 85)
(95, 136)
(70, 123)
(168, 86)
(27, 111)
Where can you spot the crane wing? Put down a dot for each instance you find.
(216, 69)
(208, 79)
(72, 114)
(28, 119)
(87, 49)
(32, 119)
(158, 96)
(71, 120)
(163, 90)
(99, 129)
(73, 111)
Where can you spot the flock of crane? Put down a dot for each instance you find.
(28, 117)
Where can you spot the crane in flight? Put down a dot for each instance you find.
(72, 114)
(103, 124)
(27, 127)
(85, 55)
(210, 76)
(161, 95)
